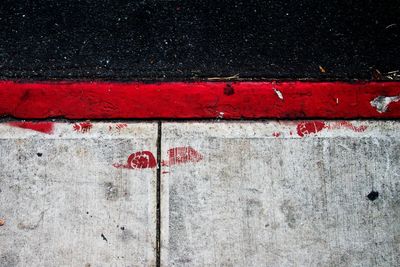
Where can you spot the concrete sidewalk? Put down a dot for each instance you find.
(282, 194)
(266, 193)
(65, 204)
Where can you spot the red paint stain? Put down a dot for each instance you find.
(82, 127)
(118, 127)
(312, 127)
(276, 134)
(43, 127)
(121, 126)
(182, 155)
(139, 160)
(348, 125)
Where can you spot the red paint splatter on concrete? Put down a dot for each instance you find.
(142, 160)
(311, 127)
(139, 160)
(82, 127)
(276, 134)
(118, 126)
(121, 126)
(43, 127)
(348, 125)
(182, 155)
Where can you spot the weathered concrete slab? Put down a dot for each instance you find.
(281, 194)
(65, 204)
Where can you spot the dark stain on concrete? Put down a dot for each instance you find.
(289, 212)
(373, 195)
(125, 235)
(9, 259)
(111, 191)
(253, 207)
(31, 225)
(104, 237)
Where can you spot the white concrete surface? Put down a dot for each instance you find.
(233, 194)
(63, 202)
(278, 194)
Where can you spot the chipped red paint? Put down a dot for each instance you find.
(82, 127)
(235, 100)
(43, 127)
(139, 160)
(181, 155)
(312, 127)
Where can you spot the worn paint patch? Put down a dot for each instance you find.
(381, 103)
(82, 127)
(182, 155)
(139, 160)
(313, 127)
(278, 93)
(43, 127)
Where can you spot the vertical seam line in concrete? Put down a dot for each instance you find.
(158, 215)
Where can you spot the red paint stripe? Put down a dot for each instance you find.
(100, 100)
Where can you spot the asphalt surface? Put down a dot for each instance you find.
(196, 40)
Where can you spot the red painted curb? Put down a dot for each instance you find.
(181, 100)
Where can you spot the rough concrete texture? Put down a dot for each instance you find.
(64, 203)
(281, 194)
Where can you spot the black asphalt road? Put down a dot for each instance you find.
(179, 40)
